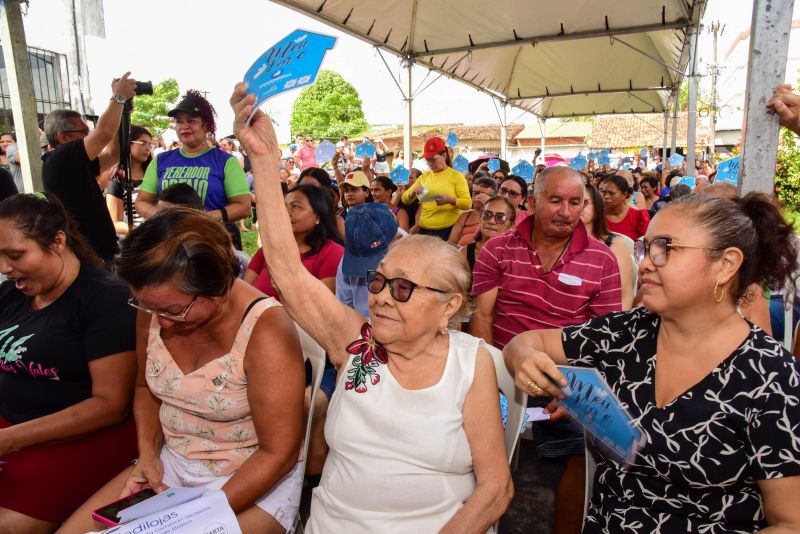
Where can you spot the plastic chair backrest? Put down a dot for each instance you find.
(315, 354)
(517, 400)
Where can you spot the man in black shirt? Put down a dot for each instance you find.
(78, 157)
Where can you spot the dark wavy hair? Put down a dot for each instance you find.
(40, 216)
(207, 111)
(599, 226)
(322, 204)
(754, 225)
(181, 246)
(320, 175)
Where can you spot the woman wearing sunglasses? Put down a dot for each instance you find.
(443, 192)
(497, 216)
(418, 406)
(715, 398)
(67, 366)
(116, 192)
(219, 391)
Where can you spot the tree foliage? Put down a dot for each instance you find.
(703, 101)
(787, 169)
(151, 110)
(328, 109)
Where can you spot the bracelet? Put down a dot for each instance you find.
(224, 214)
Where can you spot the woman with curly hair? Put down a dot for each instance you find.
(215, 174)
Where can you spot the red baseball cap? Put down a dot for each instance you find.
(433, 146)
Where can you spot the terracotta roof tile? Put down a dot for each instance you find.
(624, 131)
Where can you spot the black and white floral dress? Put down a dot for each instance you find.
(705, 451)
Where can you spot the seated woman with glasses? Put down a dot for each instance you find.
(219, 393)
(498, 216)
(443, 192)
(415, 432)
(67, 366)
(715, 398)
(468, 223)
(515, 189)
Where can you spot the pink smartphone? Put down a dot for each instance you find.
(107, 515)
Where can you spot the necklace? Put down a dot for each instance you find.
(560, 254)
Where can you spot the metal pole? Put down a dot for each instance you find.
(674, 122)
(23, 101)
(542, 143)
(691, 120)
(408, 158)
(769, 45)
(712, 140)
(666, 132)
(504, 134)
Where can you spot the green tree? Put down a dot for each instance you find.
(328, 109)
(683, 98)
(151, 110)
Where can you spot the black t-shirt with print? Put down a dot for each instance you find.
(68, 173)
(45, 354)
(705, 451)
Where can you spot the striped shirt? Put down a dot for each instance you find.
(583, 284)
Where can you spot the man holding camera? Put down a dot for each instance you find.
(79, 155)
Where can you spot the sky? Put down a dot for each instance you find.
(209, 45)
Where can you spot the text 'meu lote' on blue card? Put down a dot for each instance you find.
(728, 171)
(365, 150)
(524, 170)
(589, 399)
(325, 151)
(400, 175)
(292, 62)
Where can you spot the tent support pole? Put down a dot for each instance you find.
(23, 103)
(542, 140)
(504, 134)
(673, 145)
(769, 45)
(664, 146)
(408, 158)
(691, 126)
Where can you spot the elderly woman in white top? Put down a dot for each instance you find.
(415, 434)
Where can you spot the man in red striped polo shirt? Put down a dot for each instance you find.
(548, 273)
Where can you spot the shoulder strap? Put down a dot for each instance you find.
(250, 307)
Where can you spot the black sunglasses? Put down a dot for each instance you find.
(399, 288)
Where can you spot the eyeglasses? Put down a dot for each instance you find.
(658, 250)
(144, 144)
(432, 157)
(399, 288)
(509, 193)
(179, 317)
(499, 217)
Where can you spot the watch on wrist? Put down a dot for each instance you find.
(119, 99)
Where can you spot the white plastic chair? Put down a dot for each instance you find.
(315, 354)
(517, 401)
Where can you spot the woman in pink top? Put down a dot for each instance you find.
(203, 337)
(620, 217)
(314, 228)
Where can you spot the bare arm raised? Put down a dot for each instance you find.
(309, 302)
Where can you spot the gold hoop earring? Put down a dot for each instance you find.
(718, 299)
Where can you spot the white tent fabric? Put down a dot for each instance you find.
(554, 59)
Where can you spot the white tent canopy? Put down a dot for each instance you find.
(572, 57)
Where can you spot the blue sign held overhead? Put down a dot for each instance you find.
(325, 151)
(604, 159)
(494, 165)
(365, 150)
(400, 175)
(452, 139)
(461, 164)
(728, 171)
(626, 167)
(292, 62)
(578, 162)
(590, 400)
(524, 170)
(643, 153)
(676, 160)
(591, 155)
(688, 180)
